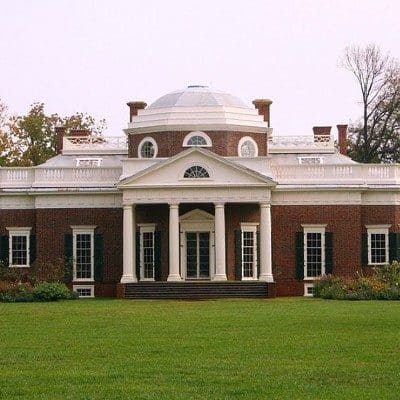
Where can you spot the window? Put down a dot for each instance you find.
(199, 139)
(84, 290)
(83, 253)
(19, 247)
(147, 256)
(311, 160)
(196, 171)
(89, 162)
(247, 147)
(378, 244)
(308, 289)
(314, 251)
(249, 251)
(147, 148)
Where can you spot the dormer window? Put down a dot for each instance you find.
(197, 139)
(88, 162)
(247, 147)
(147, 148)
(196, 171)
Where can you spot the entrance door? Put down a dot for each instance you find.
(197, 255)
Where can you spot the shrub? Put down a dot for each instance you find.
(51, 291)
(15, 291)
(55, 271)
(389, 273)
(330, 287)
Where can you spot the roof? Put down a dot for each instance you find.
(198, 96)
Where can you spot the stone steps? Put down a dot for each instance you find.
(195, 290)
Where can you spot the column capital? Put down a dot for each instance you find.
(128, 206)
(219, 205)
(265, 205)
(173, 205)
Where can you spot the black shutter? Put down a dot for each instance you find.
(328, 252)
(258, 254)
(98, 257)
(4, 249)
(394, 242)
(238, 255)
(68, 257)
(32, 249)
(364, 249)
(157, 256)
(299, 255)
(138, 256)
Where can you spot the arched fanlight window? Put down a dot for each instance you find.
(197, 141)
(196, 171)
(197, 138)
(247, 147)
(147, 148)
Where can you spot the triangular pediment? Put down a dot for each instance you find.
(170, 172)
(197, 215)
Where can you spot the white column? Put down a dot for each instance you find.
(265, 243)
(129, 245)
(174, 274)
(220, 255)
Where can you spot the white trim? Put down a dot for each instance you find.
(306, 287)
(91, 162)
(250, 227)
(17, 232)
(197, 133)
(244, 139)
(314, 228)
(303, 160)
(378, 229)
(91, 287)
(196, 164)
(142, 142)
(83, 230)
(142, 229)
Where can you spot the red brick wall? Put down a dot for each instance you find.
(223, 143)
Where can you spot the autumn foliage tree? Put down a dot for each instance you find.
(376, 137)
(28, 140)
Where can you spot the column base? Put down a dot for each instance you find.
(266, 278)
(219, 277)
(128, 279)
(174, 278)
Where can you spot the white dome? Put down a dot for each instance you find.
(198, 96)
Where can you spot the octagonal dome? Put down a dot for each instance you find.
(198, 96)
(197, 108)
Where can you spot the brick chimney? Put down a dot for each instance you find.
(134, 106)
(342, 138)
(320, 132)
(60, 133)
(262, 105)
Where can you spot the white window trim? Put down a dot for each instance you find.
(146, 228)
(306, 287)
(91, 287)
(197, 133)
(19, 231)
(311, 228)
(378, 229)
(210, 173)
(250, 227)
(83, 230)
(142, 142)
(244, 139)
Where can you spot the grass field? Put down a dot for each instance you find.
(227, 349)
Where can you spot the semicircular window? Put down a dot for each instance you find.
(196, 171)
(147, 149)
(197, 141)
(248, 149)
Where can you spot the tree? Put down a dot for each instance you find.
(30, 139)
(375, 138)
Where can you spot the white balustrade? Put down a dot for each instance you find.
(90, 144)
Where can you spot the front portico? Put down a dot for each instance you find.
(197, 248)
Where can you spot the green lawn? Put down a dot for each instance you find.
(227, 349)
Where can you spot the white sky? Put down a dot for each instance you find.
(94, 56)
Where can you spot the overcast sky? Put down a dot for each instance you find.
(94, 56)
